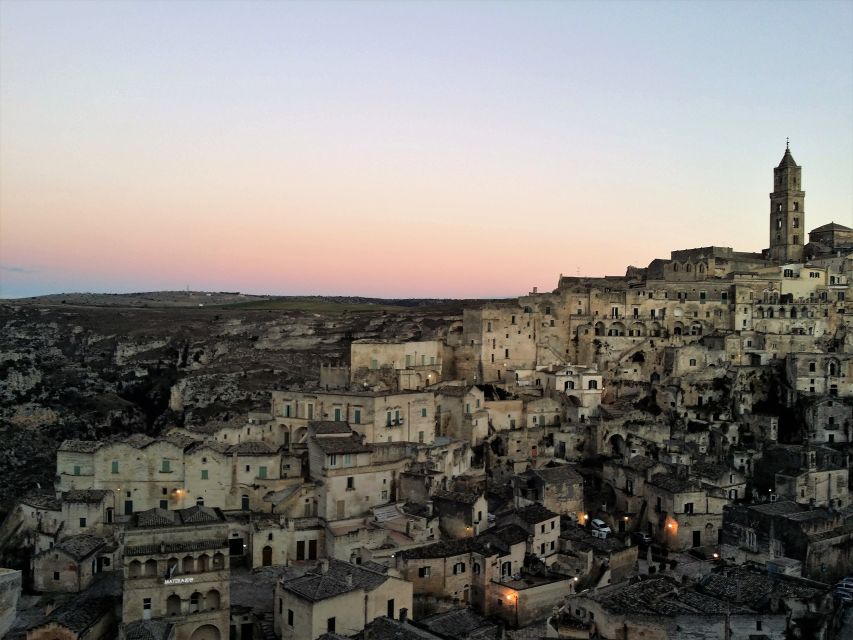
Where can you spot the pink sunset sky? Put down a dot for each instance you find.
(405, 149)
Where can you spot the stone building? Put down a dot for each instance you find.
(338, 598)
(72, 563)
(176, 570)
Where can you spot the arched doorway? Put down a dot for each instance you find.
(206, 632)
(266, 556)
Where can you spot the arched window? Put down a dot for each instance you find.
(151, 567)
(675, 267)
(204, 562)
(188, 564)
(134, 569)
(199, 502)
(173, 605)
(218, 561)
(593, 384)
(195, 602)
(212, 599)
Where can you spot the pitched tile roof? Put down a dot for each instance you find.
(157, 517)
(251, 448)
(80, 613)
(81, 446)
(319, 585)
(78, 547)
(175, 547)
(342, 445)
(535, 513)
(456, 496)
(89, 496)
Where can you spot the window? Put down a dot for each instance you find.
(248, 468)
(374, 364)
(513, 319)
(692, 362)
(82, 523)
(796, 239)
(593, 384)
(553, 524)
(688, 507)
(76, 470)
(347, 459)
(506, 353)
(384, 494)
(423, 572)
(350, 483)
(421, 437)
(458, 568)
(204, 474)
(330, 625)
(310, 411)
(114, 466)
(796, 208)
(542, 530)
(758, 625)
(290, 617)
(357, 416)
(262, 472)
(423, 413)
(164, 504)
(166, 466)
(333, 460)
(56, 575)
(337, 414)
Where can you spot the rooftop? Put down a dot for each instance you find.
(78, 547)
(90, 496)
(178, 517)
(339, 578)
(342, 445)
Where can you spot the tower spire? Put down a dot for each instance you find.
(787, 143)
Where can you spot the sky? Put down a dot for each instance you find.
(405, 149)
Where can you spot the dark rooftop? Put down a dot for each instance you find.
(78, 547)
(319, 585)
(342, 445)
(456, 496)
(89, 496)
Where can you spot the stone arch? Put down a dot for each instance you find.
(678, 329)
(599, 328)
(654, 329)
(617, 445)
(218, 561)
(134, 569)
(195, 602)
(617, 329)
(212, 600)
(151, 567)
(204, 562)
(206, 632)
(655, 378)
(173, 605)
(637, 329)
(188, 565)
(638, 357)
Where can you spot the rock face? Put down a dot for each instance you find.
(91, 372)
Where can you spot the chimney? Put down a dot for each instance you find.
(324, 565)
(349, 579)
(404, 613)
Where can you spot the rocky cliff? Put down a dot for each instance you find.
(84, 371)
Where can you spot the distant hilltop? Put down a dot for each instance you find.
(236, 300)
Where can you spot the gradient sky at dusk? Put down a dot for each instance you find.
(405, 149)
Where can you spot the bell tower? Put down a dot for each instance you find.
(787, 211)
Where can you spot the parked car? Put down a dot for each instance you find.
(641, 538)
(600, 525)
